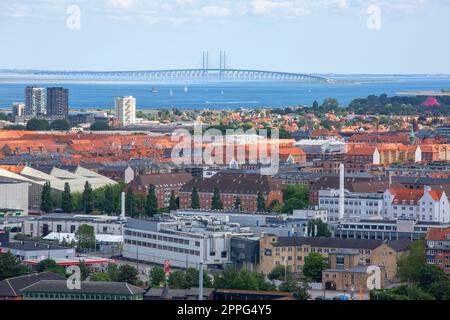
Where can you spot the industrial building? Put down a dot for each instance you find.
(185, 242)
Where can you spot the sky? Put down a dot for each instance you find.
(308, 36)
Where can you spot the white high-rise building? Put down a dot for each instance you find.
(35, 101)
(126, 110)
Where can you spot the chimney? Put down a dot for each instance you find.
(341, 191)
(122, 211)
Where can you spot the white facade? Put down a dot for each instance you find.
(356, 205)
(18, 109)
(14, 199)
(424, 207)
(184, 247)
(126, 110)
(35, 103)
(66, 223)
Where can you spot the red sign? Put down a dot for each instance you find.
(166, 266)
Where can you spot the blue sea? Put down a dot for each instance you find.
(225, 95)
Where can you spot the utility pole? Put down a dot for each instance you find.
(200, 282)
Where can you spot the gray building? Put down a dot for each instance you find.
(35, 251)
(58, 103)
(13, 198)
(35, 101)
(69, 223)
(384, 229)
(244, 252)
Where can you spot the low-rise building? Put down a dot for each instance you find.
(292, 251)
(13, 198)
(356, 205)
(11, 288)
(185, 242)
(30, 251)
(231, 186)
(425, 204)
(411, 229)
(438, 248)
(69, 223)
(164, 183)
(346, 274)
(58, 290)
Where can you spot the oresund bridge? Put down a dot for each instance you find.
(186, 75)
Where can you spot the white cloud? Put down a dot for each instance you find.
(181, 11)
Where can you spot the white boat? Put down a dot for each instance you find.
(171, 93)
(185, 89)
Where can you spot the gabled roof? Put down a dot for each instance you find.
(233, 183)
(438, 234)
(60, 286)
(12, 287)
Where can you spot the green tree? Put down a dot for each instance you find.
(46, 198)
(275, 207)
(293, 286)
(177, 280)
(157, 276)
(322, 228)
(50, 265)
(130, 203)
(100, 277)
(151, 207)
(261, 202)
(60, 125)
(238, 204)
(216, 202)
(192, 276)
(128, 274)
(11, 267)
(38, 125)
(295, 197)
(88, 198)
(109, 200)
(113, 272)
(85, 237)
(313, 266)
(278, 273)
(84, 270)
(195, 199)
(66, 203)
(410, 265)
(100, 126)
(173, 202)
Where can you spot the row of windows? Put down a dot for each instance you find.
(278, 250)
(164, 248)
(76, 296)
(159, 237)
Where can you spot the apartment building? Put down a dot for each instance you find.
(438, 248)
(356, 205)
(346, 274)
(125, 110)
(292, 251)
(424, 204)
(411, 229)
(165, 184)
(35, 101)
(231, 186)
